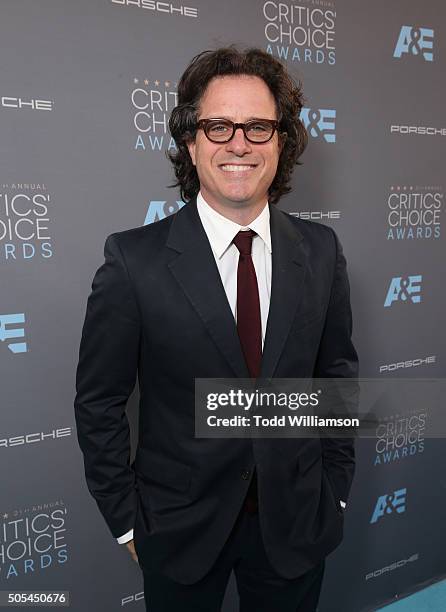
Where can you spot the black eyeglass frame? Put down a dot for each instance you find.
(203, 124)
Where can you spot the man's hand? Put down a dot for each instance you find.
(131, 547)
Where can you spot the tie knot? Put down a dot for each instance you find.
(243, 241)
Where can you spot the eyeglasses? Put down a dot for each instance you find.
(222, 130)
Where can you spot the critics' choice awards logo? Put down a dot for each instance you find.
(11, 334)
(301, 32)
(399, 437)
(414, 212)
(32, 539)
(160, 209)
(390, 503)
(415, 41)
(404, 289)
(152, 102)
(25, 219)
(319, 123)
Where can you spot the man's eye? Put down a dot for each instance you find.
(219, 127)
(258, 127)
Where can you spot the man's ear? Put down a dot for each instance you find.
(191, 149)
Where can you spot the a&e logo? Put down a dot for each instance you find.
(404, 289)
(7, 334)
(319, 122)
(160, 209)
(415, 41)
(388, 503)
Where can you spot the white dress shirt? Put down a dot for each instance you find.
(220, 232)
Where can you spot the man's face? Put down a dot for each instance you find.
(238, 98)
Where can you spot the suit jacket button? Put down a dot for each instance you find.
(245, 474)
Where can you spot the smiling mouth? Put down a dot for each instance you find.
(237, 167)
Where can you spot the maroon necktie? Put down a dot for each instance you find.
(249, 325)
(249, 328)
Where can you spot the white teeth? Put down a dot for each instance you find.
(234, 168)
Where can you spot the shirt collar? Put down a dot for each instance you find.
(221, 231)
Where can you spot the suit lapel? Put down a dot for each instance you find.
(196, 272)
(288, 272)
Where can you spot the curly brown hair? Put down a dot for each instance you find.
(287, 94)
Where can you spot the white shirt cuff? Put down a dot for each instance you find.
(126, 537)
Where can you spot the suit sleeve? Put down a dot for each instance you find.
(105, 378)
(337, 358)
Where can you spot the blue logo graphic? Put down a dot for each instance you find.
(404, 289)
(319, 122)
(17, 332)
(388, 503)
(415, 41)
(159, 209)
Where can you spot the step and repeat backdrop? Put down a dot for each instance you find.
(87, 87)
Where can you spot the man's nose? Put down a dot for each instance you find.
(238, 143)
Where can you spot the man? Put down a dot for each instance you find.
(227, 287)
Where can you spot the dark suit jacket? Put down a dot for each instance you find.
(158, 308)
